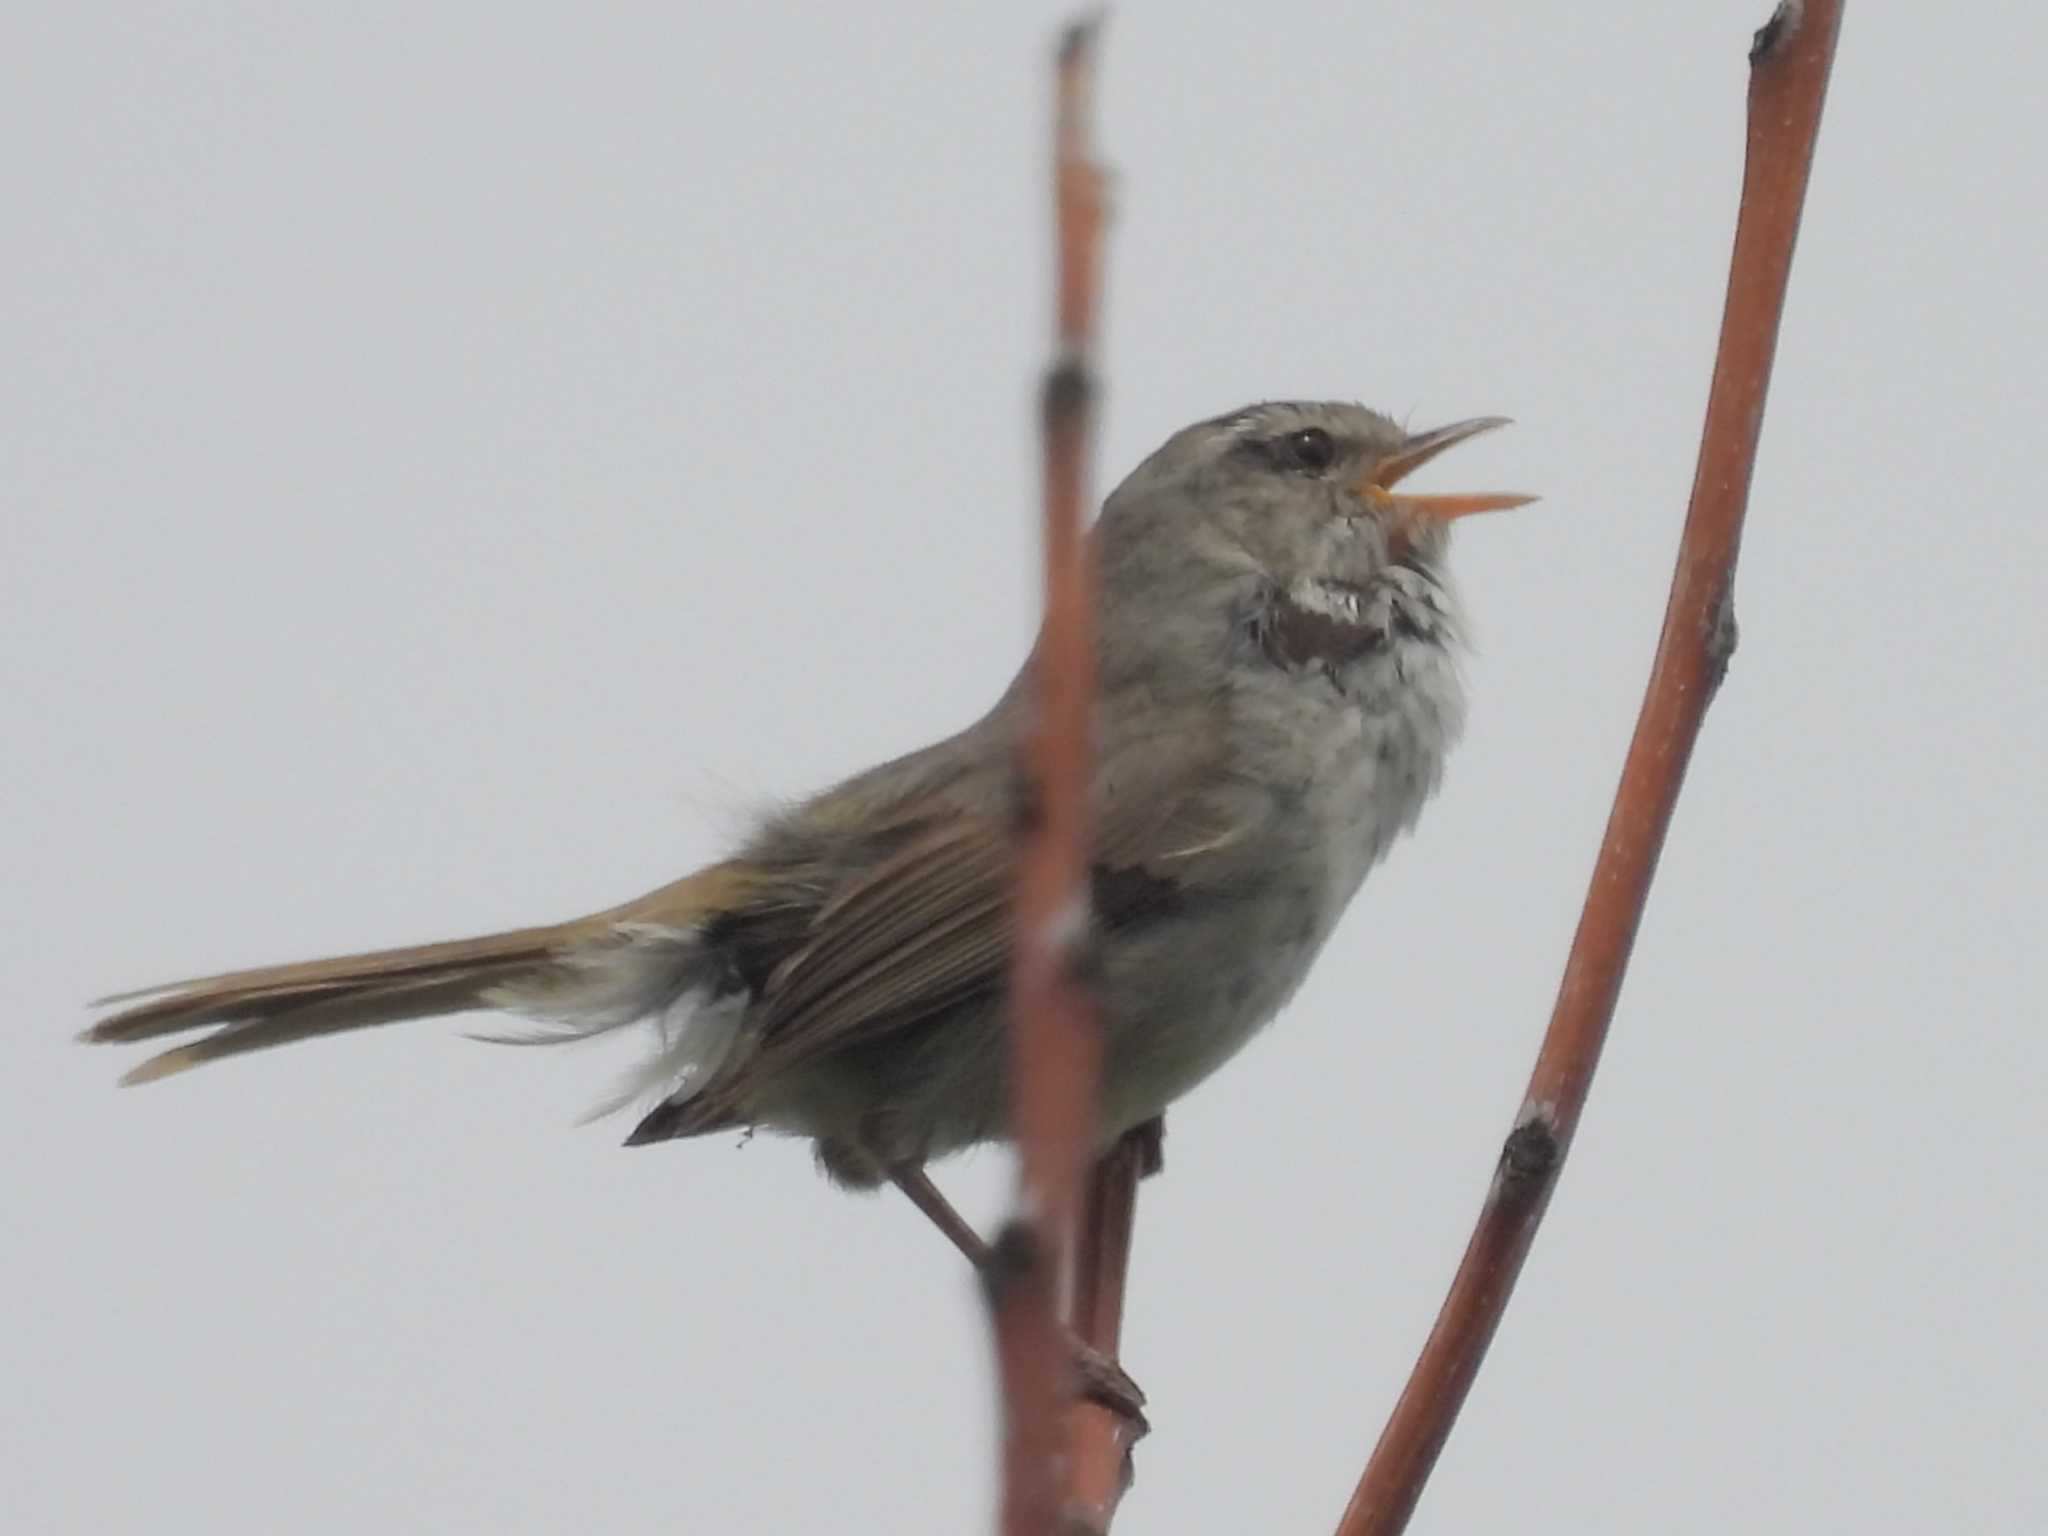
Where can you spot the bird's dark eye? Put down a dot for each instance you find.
(1310, 450)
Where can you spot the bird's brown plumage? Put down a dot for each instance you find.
(1276, 696)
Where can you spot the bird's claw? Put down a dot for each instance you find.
(1099, 1379)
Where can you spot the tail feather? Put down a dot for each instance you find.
(176, 1006)
(152, 1010)
(310, 1019)
(251, 1010)
(586, 976)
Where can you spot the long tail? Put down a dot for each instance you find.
(583, 976)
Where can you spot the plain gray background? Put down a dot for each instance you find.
(460, 460)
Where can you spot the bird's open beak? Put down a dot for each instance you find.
(1417, 451)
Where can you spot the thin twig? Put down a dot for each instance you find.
(1056, 1045)
(1099, 1439)
(1789, 65)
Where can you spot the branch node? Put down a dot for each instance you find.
(1723, 633)
(1775, 33)
(1026, 804)
(1532, 1151)
(1079, 36)
(1013, 1258)
(1069, 391)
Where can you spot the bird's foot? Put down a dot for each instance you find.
(1099, 1379)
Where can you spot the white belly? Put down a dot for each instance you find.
(1366, 749)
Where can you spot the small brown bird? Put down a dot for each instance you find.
(1278, 689)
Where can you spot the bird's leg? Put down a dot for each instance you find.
(924, 1194)
(1097, 1376)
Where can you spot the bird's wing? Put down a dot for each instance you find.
(928, 925)
(925, 928)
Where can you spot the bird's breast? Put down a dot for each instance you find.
(1345, 754)
(1362, 698)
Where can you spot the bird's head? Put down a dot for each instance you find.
(1285, 479)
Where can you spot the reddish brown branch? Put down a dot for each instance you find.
(1099, 1439)
(1789, 66)
(1056, 1044)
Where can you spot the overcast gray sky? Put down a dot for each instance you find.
(461, 460)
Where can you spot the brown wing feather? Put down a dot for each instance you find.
(929, 923)
(924, 925)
